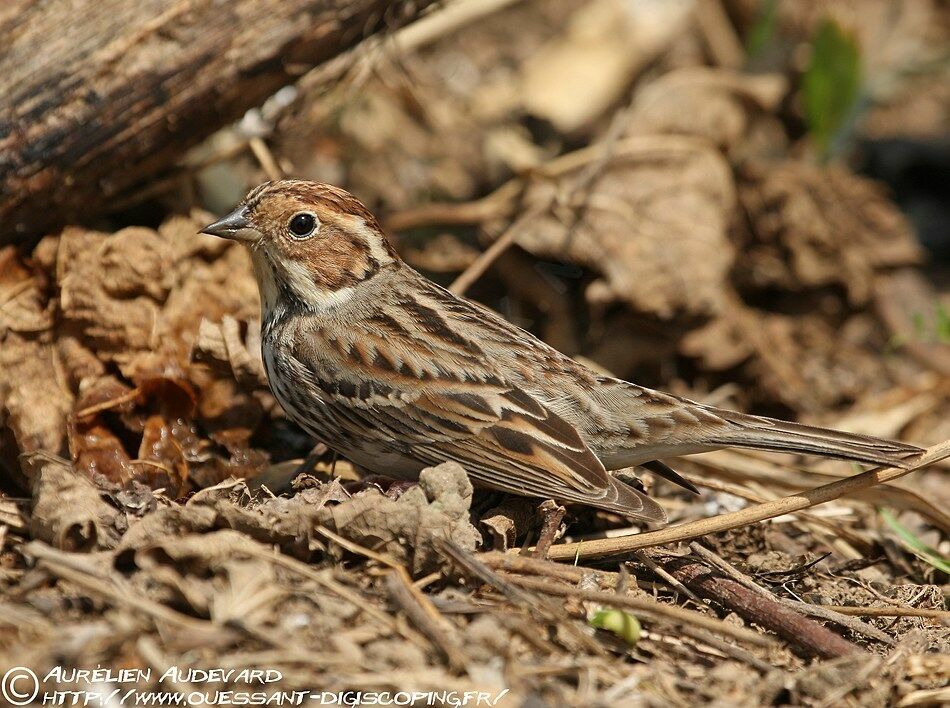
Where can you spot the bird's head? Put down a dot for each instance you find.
(311, 243)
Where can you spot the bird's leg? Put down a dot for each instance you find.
(310, 461)
(400, 487)
(280, 477)
(552, 514)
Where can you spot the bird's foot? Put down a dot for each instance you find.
(390, 486)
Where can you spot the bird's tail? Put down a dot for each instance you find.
(760, 433)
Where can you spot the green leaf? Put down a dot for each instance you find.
(831, 85)
(934, 330)
(763, 30)
(943, 324)
(621, 623)
(913, 544)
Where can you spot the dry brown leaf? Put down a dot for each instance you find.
(68, 510)
(214, 573)
(732, 110)
(423, 126)
(810, 362)
(652, 223)
(443, 253)
(813, 226)
(23, 302)
(406, 528)
(222, 344)
(508, 521)
(96, 450)
(167, 522)
(34, 398)
(34, 403)
(136, 297)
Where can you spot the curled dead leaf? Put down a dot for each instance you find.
(23, 302)
(508, 521)
(652, 221)
(33, 402)
(221, 344)
(808, 362)
(68, 510)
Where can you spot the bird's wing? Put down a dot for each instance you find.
(442, 402)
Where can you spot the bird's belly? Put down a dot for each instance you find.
(369, 455)
(383, 462)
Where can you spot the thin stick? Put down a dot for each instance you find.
(889, 612)
(538, 607)
(503, 201)
(838, 530)
(720, 35)
(126, 397)
(593, 165)
(424, 31)
(661, 572)
(513, 563)
(406, 597)
(600, 548)
(327, 583)
(552, 514)
(701, 636)
(484, 260)
(265, 158)
(644, 605)
(65, 567)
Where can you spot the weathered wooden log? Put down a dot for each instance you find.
(97, 95)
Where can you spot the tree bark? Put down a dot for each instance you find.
(98, 95)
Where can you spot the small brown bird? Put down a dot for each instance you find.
(396, 373)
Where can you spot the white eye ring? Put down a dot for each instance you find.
(303, 224)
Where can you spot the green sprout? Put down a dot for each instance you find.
(913, 544)
(621, 623)
(831, 86)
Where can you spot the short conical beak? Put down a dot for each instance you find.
(234, 226)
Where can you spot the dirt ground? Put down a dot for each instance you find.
(652, 188)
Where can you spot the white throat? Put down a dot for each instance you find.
(299, 281)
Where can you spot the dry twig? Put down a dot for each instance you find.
(761, 609)
(760, 512)
(856, 626)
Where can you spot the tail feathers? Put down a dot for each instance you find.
(761, 433)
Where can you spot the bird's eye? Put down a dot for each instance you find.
(303, 224)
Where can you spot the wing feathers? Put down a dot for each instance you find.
(504, 437)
